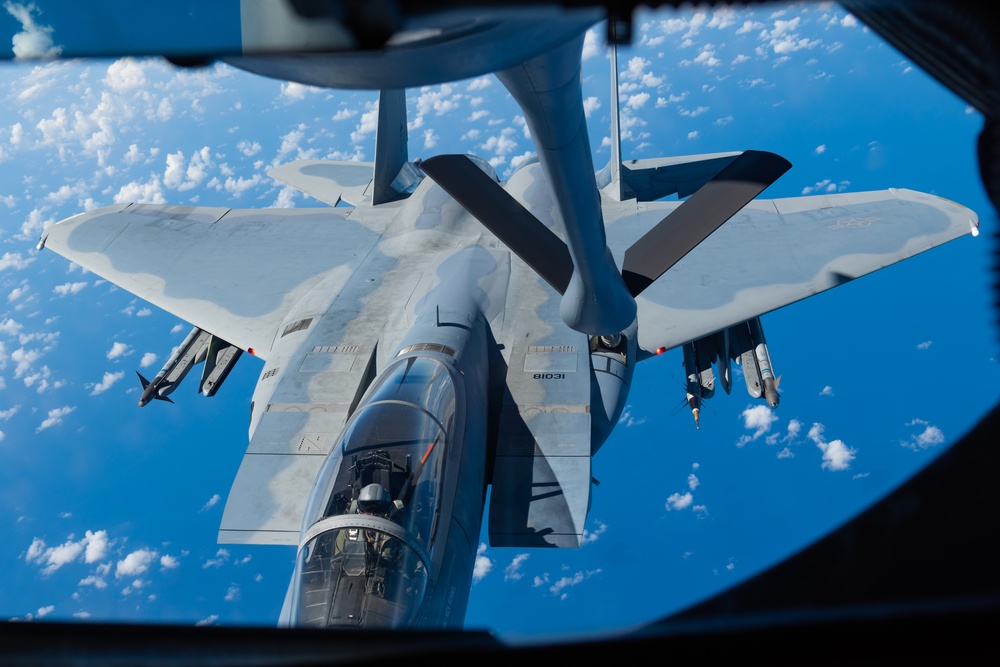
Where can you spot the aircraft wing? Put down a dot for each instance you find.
(775, 252)
(234, 273)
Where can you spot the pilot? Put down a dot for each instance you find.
(374, 500)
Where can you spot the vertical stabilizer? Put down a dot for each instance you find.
(616, 189)
(390, 144)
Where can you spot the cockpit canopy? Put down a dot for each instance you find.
(371, 522)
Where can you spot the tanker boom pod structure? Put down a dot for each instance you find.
(199, 345)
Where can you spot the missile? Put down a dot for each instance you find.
(149, 389)
(693, 388)
(190, 352)
(764, 363)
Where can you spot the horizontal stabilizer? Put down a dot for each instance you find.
(700, 215)
(328, 181)
(522, 232)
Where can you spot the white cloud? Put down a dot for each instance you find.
(34, 40)
(221, 557)
(55, 417)
(183, 176)
(106, 382)
(168, 562)
(592, 43)
(757, 418)
(819, 150)
(924, 345)
(134, 192)
(13, 260)
(56, 557)
(590, 105)
(248, 148)
(929, 437)
(826, 391)
(513, 571)
(559, 586)
(430, 139)
(480, 83)
(92, 546)
(679, 501)
(836, 454)
(118, 350)
(592, 536)
(69, 288)
(344, 114)
(93, 580)
(367, 124)
(134, 563)
(148, 359)
(212, 502)
(294, 91)
(124, 75)
(637, 100)
(483, 564)
(210, 620)
(96, 545)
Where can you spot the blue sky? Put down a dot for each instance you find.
(110, 511)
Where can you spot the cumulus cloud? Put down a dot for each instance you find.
(483, 564)
(212, 502)
(679, 501)
(221, 557)
(55, 417)
(92, 546)
(68, 288)
(558, 588)
(125, 74)
(757, 418)
(168, 562)
(181, 174)
(135, 563)
(35, 39)
(513, 570)
(118, 350)
(836, 454)
(628, 419)
(13, 260)
(480, 83)
(148, 359)
(106, 383)
(590, 536)
(928, 437)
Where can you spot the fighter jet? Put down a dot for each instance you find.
(439, 333)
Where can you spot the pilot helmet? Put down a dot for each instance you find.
(374, 499)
